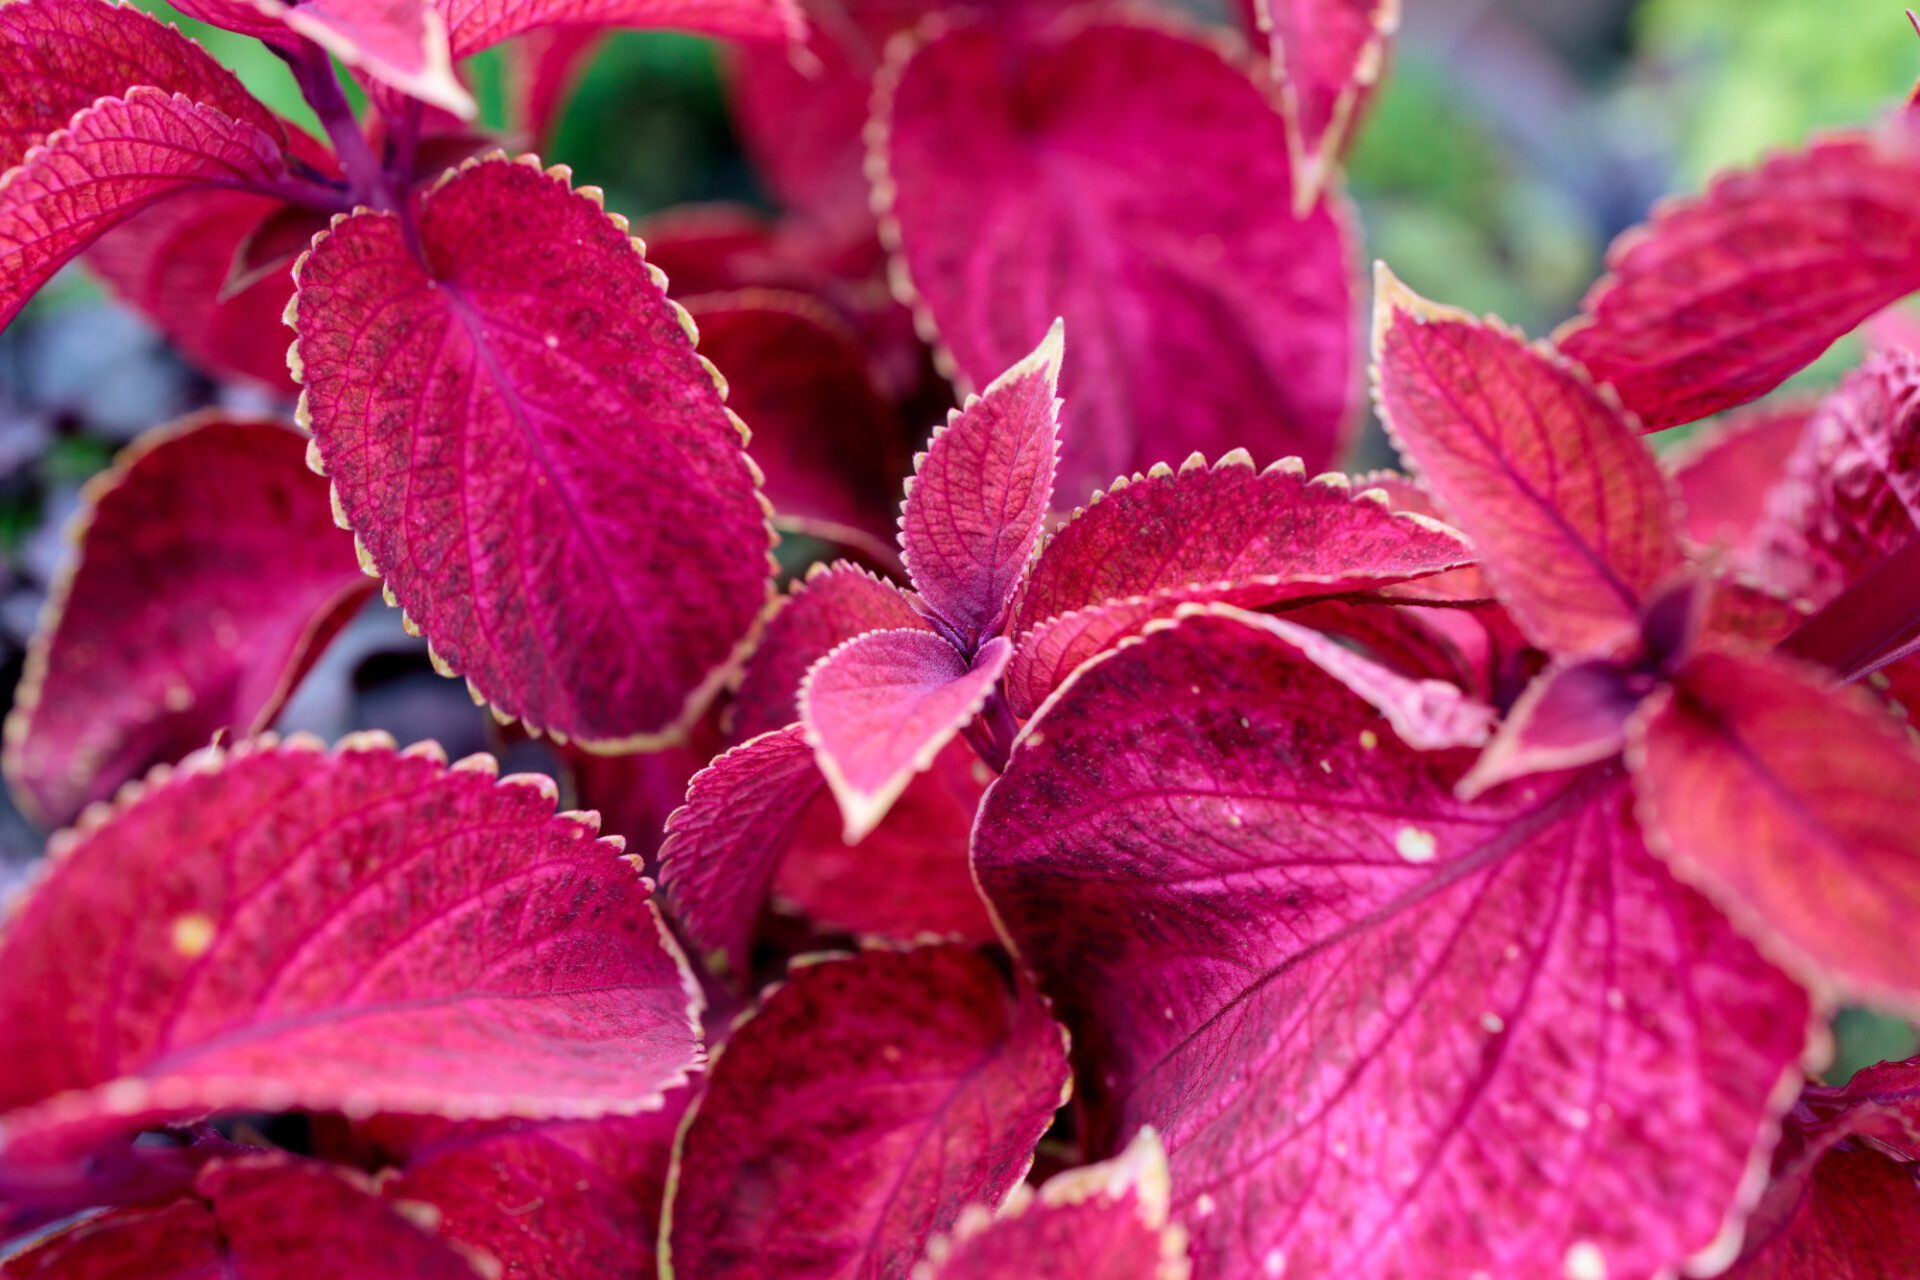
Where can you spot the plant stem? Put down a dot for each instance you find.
(367, 179)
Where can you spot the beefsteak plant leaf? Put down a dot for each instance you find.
(1726, 469)
(1568, 509)
(1722, 297)
(979, 497)
(1574, 713)
(521, 434)
(870, 1100)
(878, 709)
(1105, 1221)
(479, 24)
(256, 1217)
(1135, 181)
(1141, 549)
(1383, 1032)
(209, 578)
(1790, 802)
(367, 930)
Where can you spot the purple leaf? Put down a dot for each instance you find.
(870, 1100)
(1383, 1032)
(1573, 713)
(210, 577)
(1136, 182)
(878, 709)
(535, 458)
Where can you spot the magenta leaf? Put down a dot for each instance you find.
(1103, 171)
(1722, 297)
(210, 576)
(980, 494)
(257, 1217)
(1104, 1221)
(1725, 470)
(544, 68)
(480, 24)
(534, 456)
(401, 43)
(870, 1100)
(1568, 508)
(724, 844)
(1227, 533)
(60, 56)
(1572, 714)
(835, 604)
(879, 708)
(1383, 1032)
(114, 159)
(832, 448)
(366, 930)
(1790, 803)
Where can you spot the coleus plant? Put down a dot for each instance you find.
(1381, 896)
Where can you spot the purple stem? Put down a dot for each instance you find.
(1874, 622)
(367, 179)
(992, 732)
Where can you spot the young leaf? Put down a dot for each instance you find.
(723, 845)
(1104, 171)
(114, 159)
(400, 43)
(261, 1217)
(1104, 1221)
(1573, 713)
(835, 604)
(480, 24)
(210, 576)
(275, 927)
(1139, 550)
(878, 709)
(523, 437)
(1790, 803)
(1383, 1032)
(980, 494)
(58, 57)
(1571, 514)
(869, 1101)
(1725, 470)
(1722, 297)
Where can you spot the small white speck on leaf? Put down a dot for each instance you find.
(1585, 1261)
(1493, 1022)
(1369, 739)
(1275, 1263)
(1414, 845)
(192, 934)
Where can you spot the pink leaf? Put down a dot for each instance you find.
(545, 66)
(401, 43)
(833, 452)
(60, 56)
(910, 875)
(1105, 1221)
(264, 1217)
(878, 709)
(1327, 56)
(1721, 297)
(480, 24)
(869, 1101)
(1383, 1032)
(1725, 470)
(277, 927)
(1573, 713)
(1226, 533)
(537, 461)
(210, 577)
(723, 845)
(116, 158)
(1566, 505)
(834, 605)
(1104, 172)
(1790, 802)
(980, 494)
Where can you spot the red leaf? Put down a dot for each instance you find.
(869, 1101)
(1790, 803)
(480, 24)
(1568, 508)
(1383, 1032)
(1105, 1221)
(265, 1217)
(835, 604)
(1726, 468)
(1327, 56)
(210, 577)
(172, 262)
(116, 158)
(723, 845)
(545, 66)
(362, 931)
(979, 496)
(1105, 172)
(534, 456)
(833, 452)
(878, 709)
(1721, 297)
(402, 43)
(60, 56)
(1227, 533)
